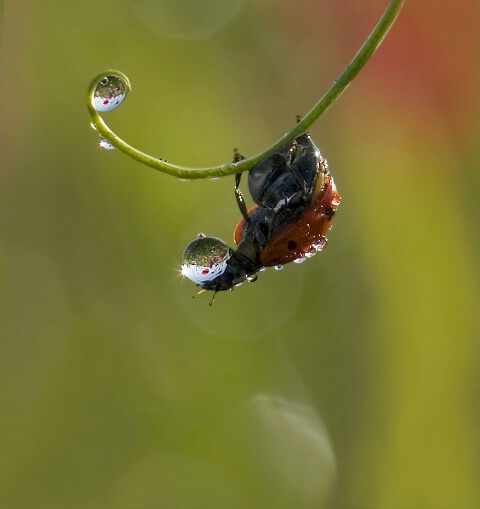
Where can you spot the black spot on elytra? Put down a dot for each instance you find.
(329, 212)
(292, 245)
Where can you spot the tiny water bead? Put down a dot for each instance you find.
(110, 92)
(105, 145)
(321, 245)
(278, 267)
(299, 260)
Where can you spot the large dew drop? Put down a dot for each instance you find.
(205, 259)
(110, 92)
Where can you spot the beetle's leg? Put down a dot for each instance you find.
(238, 194)
(237, 156)
(239, 197)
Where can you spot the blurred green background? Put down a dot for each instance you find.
(351, 381)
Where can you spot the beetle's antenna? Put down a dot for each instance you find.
(213, 298)
(198, 293)
(204, 290)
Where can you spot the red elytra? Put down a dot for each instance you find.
(300, 237)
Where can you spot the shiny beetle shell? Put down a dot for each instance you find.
(287, 177)
(296, 199)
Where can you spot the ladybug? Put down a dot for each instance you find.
(295, 200)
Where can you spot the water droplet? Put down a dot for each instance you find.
(321, 245)
(262, 269)
(110, 92)
(106, 145)
(239, 284)
(252, 278)
(300, 260)
(278, 267)
(93, 126)
(311, 252)
(205, 259)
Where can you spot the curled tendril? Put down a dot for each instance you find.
(361, 58)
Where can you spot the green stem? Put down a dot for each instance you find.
(361, 58)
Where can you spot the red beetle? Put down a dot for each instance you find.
(295, 200)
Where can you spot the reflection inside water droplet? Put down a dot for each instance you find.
(311, 252)
(278, 267)
(110, 93)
